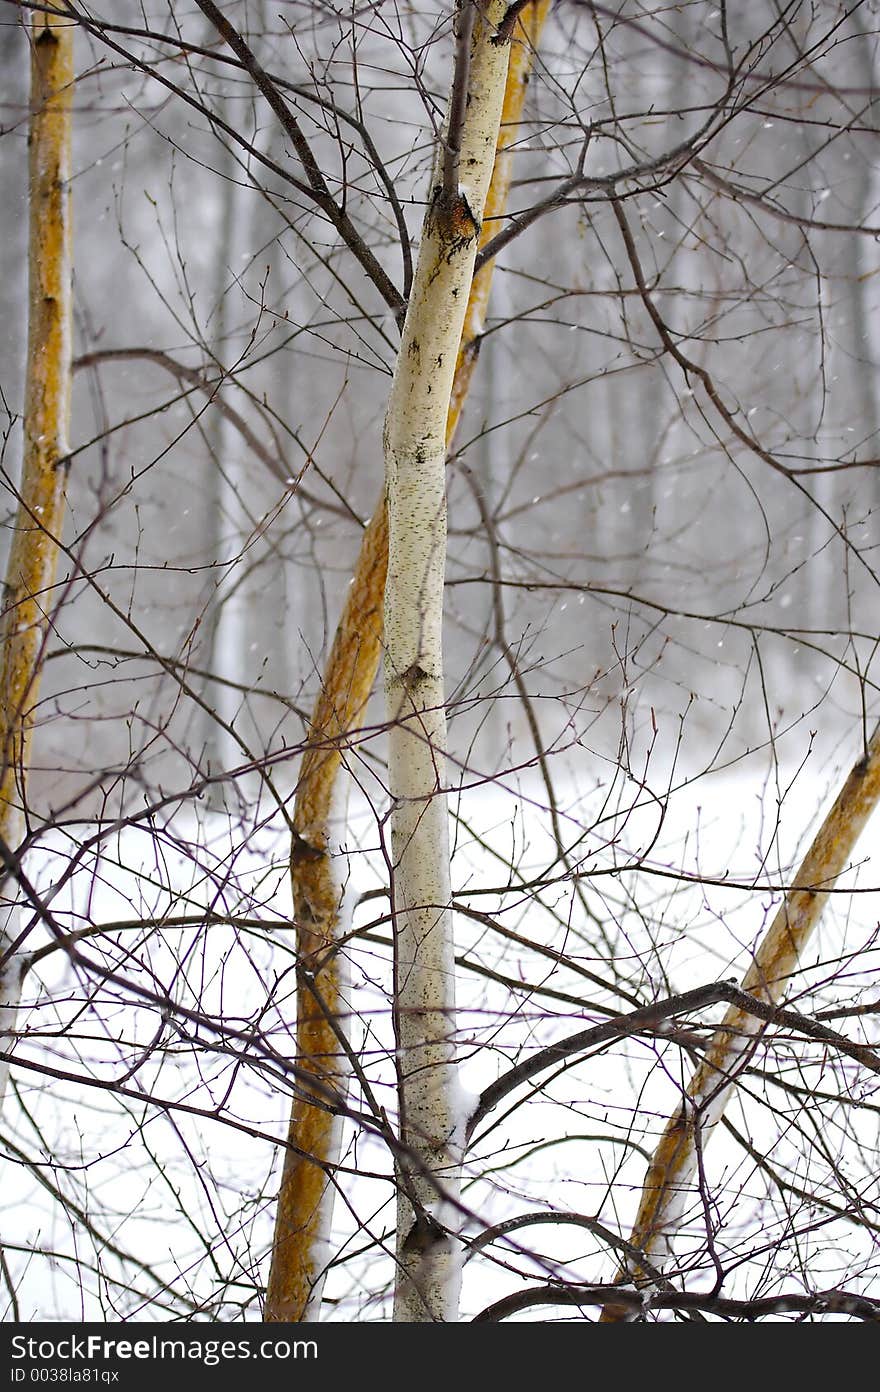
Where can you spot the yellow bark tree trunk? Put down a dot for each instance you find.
(305, 1196)
(668, 1190)
(30, 572)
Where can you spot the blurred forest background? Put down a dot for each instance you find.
(624, 516)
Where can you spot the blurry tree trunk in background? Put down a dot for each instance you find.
(825, 602)
(668, 1191)
(306, 1194)
(494, 376)
(861, 357)
(657, 405)
(227, 526)
(30, 573)
(428, 1277)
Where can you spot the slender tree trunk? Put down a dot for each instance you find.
(668, 1189)
(33, 556)
(305, 1199)
(415, 488)
(306, 1195)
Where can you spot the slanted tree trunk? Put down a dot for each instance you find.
(30, 571)
(306, 1194)
(668, 1189)
(305, 1199)
(415, 488)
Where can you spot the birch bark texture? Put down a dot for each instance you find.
(668, 1189)
(33, 555)
(428, 1279)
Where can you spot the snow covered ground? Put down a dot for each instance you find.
(142, 1170)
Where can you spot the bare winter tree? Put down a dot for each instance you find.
(525, 352)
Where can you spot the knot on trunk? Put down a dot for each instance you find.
(424, 1234)
(453, 217)
(302, 850)
(413, 677)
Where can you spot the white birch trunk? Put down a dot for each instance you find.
(415, 458)
(30, 570)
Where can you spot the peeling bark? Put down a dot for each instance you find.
(668, 1189)
(30, 571)
(306, 1192)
